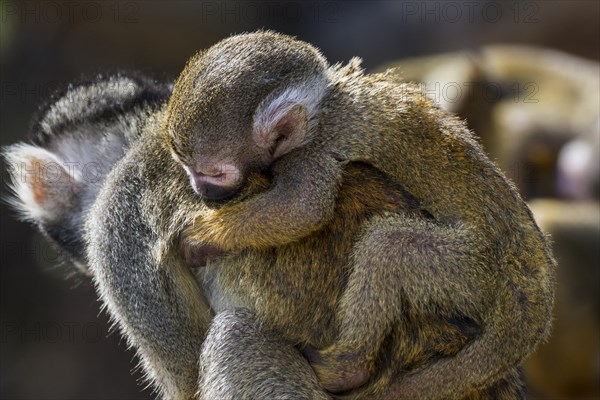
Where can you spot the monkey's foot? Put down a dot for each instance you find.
(338, 372)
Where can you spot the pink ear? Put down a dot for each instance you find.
(281, 127)
(281, 122)
(43, 188)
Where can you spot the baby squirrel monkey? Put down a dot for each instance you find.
(265, 100)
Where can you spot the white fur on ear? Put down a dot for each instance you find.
(286, 110)
(39, 181)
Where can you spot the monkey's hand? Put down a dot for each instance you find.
(300, 201)
(340, 368)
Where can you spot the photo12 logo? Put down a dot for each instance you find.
(54, 12)
(470, 11)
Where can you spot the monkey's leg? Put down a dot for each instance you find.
(240, 361)
(443, 271)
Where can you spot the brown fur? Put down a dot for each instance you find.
(479, 255)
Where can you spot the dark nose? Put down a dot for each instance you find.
(213, 192)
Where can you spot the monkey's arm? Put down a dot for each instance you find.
(443, 270)
(159, 308)
(300, 201)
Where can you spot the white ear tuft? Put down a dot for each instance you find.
(41, 184)
(281, 122)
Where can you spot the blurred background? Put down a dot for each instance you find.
(524, 74)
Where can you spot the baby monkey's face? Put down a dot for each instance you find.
(240, 106)
(226, 142)
(213, 141)
(217, 162)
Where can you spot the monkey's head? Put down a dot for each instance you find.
(241, 105)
